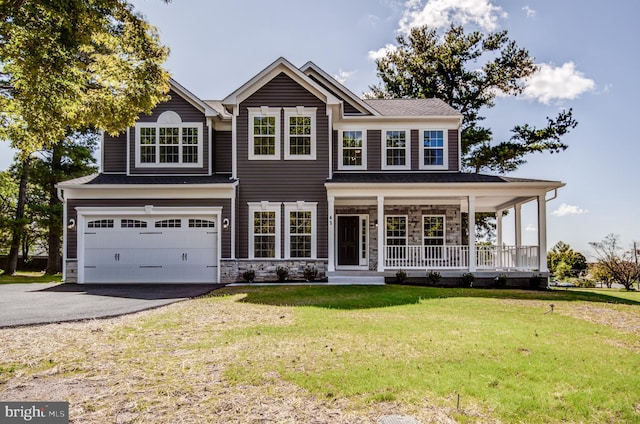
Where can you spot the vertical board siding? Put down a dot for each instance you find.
(222, 152)
(374, 150)
(283, 180)
(114, 153)
(453, 150)
(188, 113)
(72, 204)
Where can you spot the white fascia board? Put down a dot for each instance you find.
(386, 122)
(148, 210)
(270, 72)
(192, 99)
(312, 68)
(152, 191)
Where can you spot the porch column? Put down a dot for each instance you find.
(381, 226)
(331, 265)
(499, 240)
(542, 232)
(472, 233)
(517, 209)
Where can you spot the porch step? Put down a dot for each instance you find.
(355, 278)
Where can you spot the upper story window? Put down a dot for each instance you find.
(300, 137)
(352, 150)
(396, 150)
(264, 133)
(433, 149)
(169, 142)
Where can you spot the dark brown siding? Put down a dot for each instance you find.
(72, 239)
(188, 113)
(283, 180)
(415, 150)
(114, 153)
(453, 150)
(374, 158)
(336, 151)
(222, 152)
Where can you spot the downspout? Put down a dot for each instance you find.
(64, 232)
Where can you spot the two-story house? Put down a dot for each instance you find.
(291, 169)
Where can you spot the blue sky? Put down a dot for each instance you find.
(587, 52)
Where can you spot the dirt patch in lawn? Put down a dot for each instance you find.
(167, 365)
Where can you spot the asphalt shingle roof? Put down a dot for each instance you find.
(411, 107)
(423, 177)
(108, 179)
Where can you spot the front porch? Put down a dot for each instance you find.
(419, 223)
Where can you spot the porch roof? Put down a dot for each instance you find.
(491, 192)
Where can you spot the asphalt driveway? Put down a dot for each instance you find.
(28, 304)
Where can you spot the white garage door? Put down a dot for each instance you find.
(167, 249)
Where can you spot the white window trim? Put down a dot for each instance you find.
(445, 149)
(157, 163)
(299, 111)
(300, 206)
(264, 111)
(341, 166)
(406, 229)
(407, 165)
(265, 207)
(444, 228)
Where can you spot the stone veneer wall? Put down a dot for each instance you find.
(71, 275)
(231, 270)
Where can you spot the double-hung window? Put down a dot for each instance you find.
(352, 150)
(396, 236)
(300, 230)
(264, 133)
(433, 236)
(169, 145)
(433, 149)
(396, 149)
(300, 129)
(264, 230)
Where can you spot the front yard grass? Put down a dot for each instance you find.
(342, 354)
(29, 277)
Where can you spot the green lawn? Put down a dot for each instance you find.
(29, 277)
(503, 355)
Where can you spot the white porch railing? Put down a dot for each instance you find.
(457, 257)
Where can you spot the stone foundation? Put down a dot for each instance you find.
(71, 267)
(231, 270)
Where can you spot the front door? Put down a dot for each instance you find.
(348, 245)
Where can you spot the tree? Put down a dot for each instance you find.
(19, 222)
(73, 64)
(8, 197)
(599, 273)
(621, 264)
(565, 262)
(71, 159)
(425, 64)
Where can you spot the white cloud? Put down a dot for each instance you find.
(343, 76)
(440, 13)
(529, 11)
(566, 210)
(382, 52)
(557, 83)
(530, 228)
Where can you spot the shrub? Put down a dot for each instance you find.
(433, 277)
(401, 276)
(282, 272)
(468, 279)
(249, 275)
(585, 283)
(501, 281)
(310, 273)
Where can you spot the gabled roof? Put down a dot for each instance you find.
(412, 107)
(335, 87)
(192, 98)
(281, 65)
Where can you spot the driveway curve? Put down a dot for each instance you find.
(37, 303)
